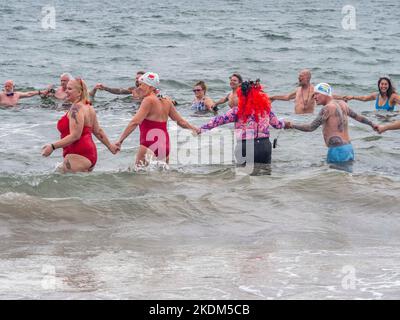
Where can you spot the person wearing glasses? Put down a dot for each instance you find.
(201, 103)
(76, 128)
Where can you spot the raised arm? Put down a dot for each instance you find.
(361, 119)
(370, 97)
(136, 120)
(318, 121)
(287, 97)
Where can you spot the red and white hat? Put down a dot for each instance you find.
(151, 79)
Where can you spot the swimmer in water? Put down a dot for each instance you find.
(76, 128)
(10, 98)
(385, 99)
(235, 81)
(202, 103)
(334, 120)
(152, 118)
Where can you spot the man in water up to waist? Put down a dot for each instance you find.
(334, 120)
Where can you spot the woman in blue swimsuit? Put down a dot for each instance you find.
(385, 99)
(202, 103)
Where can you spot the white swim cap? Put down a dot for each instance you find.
(323, 88)
(151, 79)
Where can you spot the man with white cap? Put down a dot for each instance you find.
(334, 120)
(152, 118)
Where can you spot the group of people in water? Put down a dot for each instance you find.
(250, 111)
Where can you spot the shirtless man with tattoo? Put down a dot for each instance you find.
(132, 90)
(9, 98)
(334, 120)
(235, 81)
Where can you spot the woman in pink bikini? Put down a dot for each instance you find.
(152, 118)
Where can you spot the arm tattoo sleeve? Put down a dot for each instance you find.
(360, 118)
(313, 125)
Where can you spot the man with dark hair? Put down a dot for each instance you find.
(232, 98)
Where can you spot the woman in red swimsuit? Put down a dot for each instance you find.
(76, 128)
(152, 118)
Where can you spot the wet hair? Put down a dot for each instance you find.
(237, 75)
(253, 101)
(201, 84)
(140, 72)
(391, 88)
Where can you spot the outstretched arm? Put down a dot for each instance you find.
(390, 126)
(217, 121)
(287, 97)
(318, 121)
(361, 118)
(30, 94)
(370, 97)
(174, 115)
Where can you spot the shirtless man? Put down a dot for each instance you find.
(61, 93)
(131, 90)
(9, 98)
(232, 98)
(303, 95)
(334, 120)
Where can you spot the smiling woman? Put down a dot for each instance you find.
(76, 128)
(385, 99)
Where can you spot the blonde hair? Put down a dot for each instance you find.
(81, 86)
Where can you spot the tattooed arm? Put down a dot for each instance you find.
(361, 118)
(118, 90)
(318, 121)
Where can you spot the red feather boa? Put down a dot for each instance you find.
(256, 103)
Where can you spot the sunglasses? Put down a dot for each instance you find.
(197, 90)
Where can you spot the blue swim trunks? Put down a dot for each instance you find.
(342, 153)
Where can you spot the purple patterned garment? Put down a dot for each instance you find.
(246, 130)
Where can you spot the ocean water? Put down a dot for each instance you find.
(201, 229)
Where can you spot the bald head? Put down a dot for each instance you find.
(9, 86)
(304, 77)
